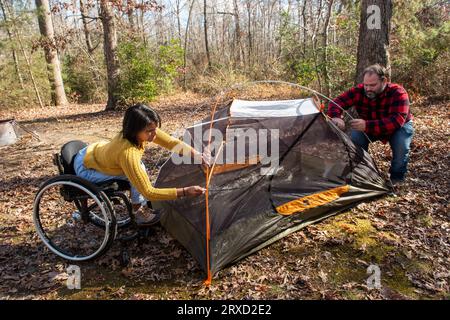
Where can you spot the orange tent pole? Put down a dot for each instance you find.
(208, 176)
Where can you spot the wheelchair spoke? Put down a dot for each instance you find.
(66, 227)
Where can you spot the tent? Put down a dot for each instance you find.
(315, 172)
(8, 132)
(11, 132)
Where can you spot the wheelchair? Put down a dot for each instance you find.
(79, 220)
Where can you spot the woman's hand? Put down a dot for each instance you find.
(192, 191)
(205, 157)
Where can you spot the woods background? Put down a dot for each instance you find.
(79, 51)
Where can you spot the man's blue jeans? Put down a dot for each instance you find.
(95, 176)
(400, 143)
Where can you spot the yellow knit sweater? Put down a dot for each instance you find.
(120, 157)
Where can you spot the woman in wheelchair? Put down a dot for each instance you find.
(121, 157)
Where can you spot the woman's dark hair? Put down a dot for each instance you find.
(136, 119)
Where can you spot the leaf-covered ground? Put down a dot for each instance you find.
(406, 235)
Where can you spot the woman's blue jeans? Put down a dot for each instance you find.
(95, 176)
(400, 143)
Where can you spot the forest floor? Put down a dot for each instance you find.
(407, 236)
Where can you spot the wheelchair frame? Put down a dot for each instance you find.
(105, 195)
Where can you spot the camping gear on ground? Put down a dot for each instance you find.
(11, 131)
(8, 132)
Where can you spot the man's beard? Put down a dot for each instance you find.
(372, 94)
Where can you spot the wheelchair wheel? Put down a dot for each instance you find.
(64, 213)
(122, 210)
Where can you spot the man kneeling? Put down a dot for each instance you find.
(384, 113)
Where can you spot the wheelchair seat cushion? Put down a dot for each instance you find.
(114, 185)
(68, 153)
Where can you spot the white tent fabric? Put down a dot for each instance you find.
(7, 133)
(271, 109)
(11, 131)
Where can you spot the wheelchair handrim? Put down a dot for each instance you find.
(48, 242)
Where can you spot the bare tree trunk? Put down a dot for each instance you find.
(159, 29)
(305, 28)
(141, 18)
(178, 10)
(249, 35)
(51, 55)
(33, 80)
(110, 51)
(256, 33)
(280, 18)
(314, 43)
(27, 60)
(326, 75)
(374, 28)
(262, 47)
(240, 53)
(269, 29)
(224, 46)
(130, 13)
(186, 38)
(13, 48)
(87, 34)
(205, 28)
(215, 29)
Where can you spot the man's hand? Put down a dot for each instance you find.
(358, 124)
(339, 123)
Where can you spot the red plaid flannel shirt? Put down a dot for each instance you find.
(386, 113)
